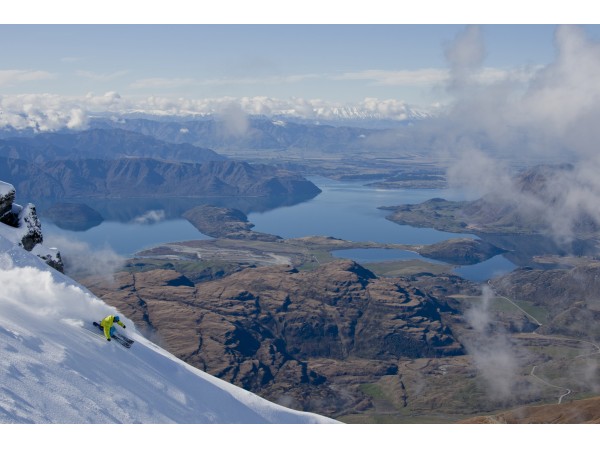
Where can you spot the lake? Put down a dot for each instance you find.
(345, 210)
(348, 210)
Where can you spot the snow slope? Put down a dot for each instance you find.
(54, 368)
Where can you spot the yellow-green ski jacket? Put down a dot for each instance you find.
(107, 323)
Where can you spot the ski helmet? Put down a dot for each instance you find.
(117, 319)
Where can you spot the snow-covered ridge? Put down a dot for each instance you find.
(44, 112)
(21, 226)
(6, 189)
(56, 368)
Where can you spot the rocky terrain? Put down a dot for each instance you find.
(286, 334)
(569, 297)
(460, 251)
(337, 339)
(384, 343)
(286, 320)
(21, 225)
(434, 213)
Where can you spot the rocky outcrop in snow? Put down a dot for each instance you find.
(21, 225)
(7, 197)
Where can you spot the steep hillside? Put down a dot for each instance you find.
(141, 177)
(101, 144)
(55, 368)
(291, 336)
(569, 296)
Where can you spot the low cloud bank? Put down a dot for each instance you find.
(48, 112)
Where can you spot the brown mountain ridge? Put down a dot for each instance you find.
(289, 336)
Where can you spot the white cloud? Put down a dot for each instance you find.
(566, 92)
(80, 259)
(47, 112)
(467, 50)
(553, 117)
(434, 77)
(416, 77)
(491, 350)
(555, 110)
(234, 119)
(11, 77)
(150, 217)
(109, 101)
(43, 112)
(76, 119)
(398, 77)
(101, 77)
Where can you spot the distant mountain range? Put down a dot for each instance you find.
(143, 177)
(226, 135)
(101, 144)
(116, 163)
(254, 133)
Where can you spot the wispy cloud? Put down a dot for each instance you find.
(397, 77)
(553, 117)
(493, 354)
(80, 259)
(11, 77)
(273, 79)
(101, 77)
(150, 217)
(430, 77)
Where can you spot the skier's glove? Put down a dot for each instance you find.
(124, 326)
(108, 339)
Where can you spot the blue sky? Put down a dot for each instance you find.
(61, 69)
(329, 62)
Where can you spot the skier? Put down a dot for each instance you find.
(109, 328)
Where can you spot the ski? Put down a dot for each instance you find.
(124, 338)
(121, 339)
